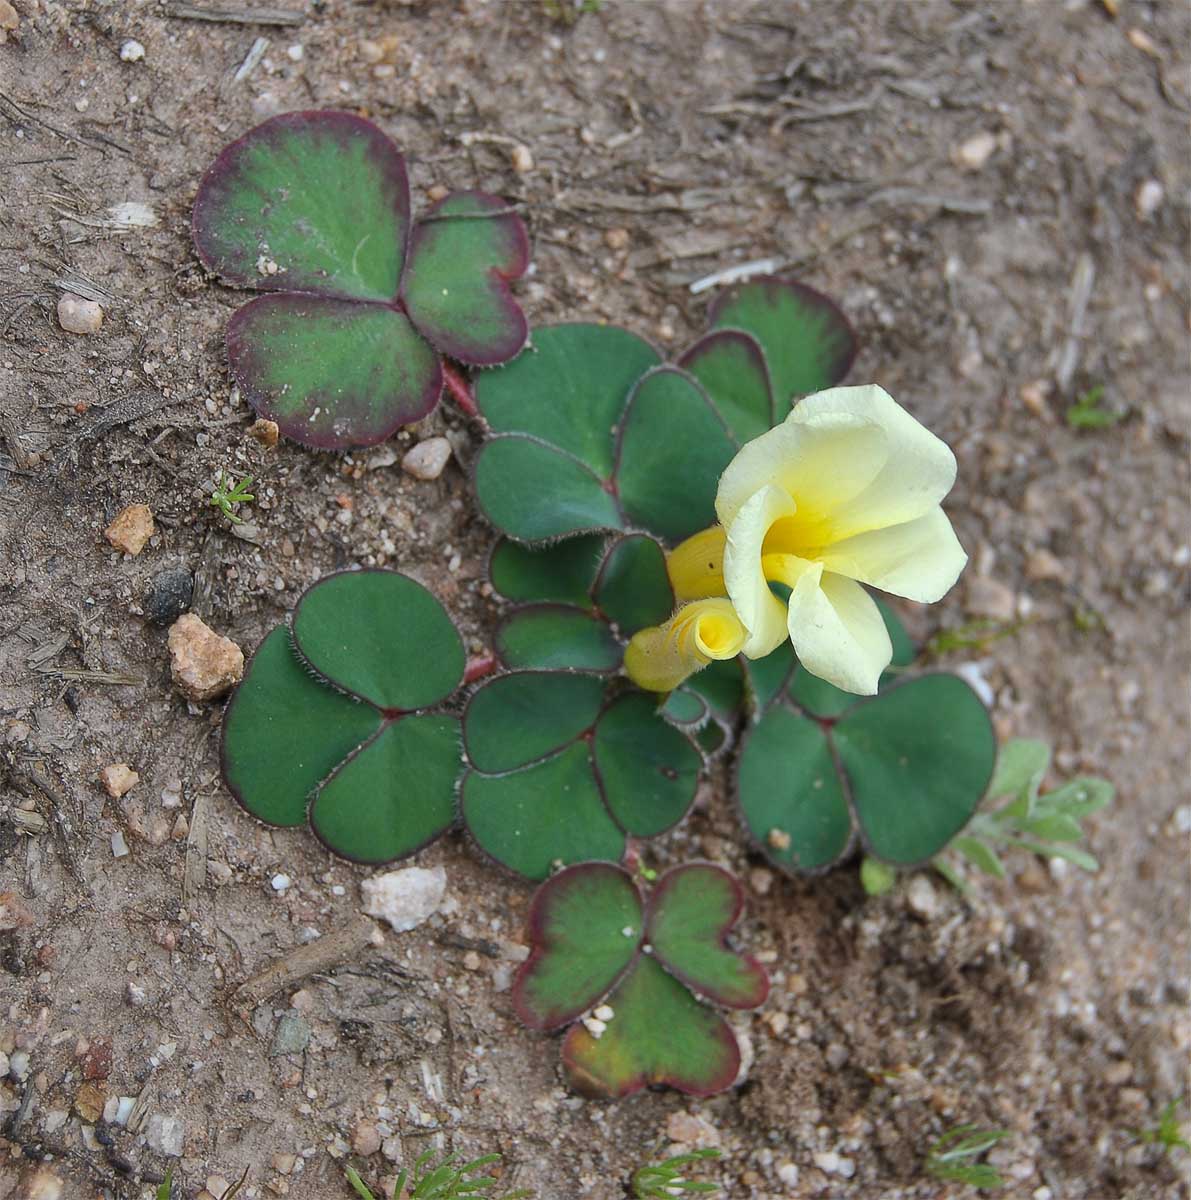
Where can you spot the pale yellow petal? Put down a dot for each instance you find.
(763, 614)
(696, 566)
(838, 633)
(821, 463)
(918, 470)
(920, 560)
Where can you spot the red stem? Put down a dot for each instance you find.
(460, 389)
(478, 666)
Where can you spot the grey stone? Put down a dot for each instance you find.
(292, 1036)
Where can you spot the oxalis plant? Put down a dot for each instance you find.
(622, 973)
(686, 550)
(364, 306)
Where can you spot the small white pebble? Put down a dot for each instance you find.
(119, 845)
(427, 459)
(280, 882)
(1149, 198)
(976, 151)
(132, 51)
(521, 159)
(604, 1013)
(594, 1026)
(78, 315)
(296, 52)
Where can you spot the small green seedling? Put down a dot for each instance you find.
(1047, 824)
(976, 635)
(621, 970)
(660, 1181)
(1168, 1133)
(227, 495)
(1088, 412)
(443, 1181)
(877, 878)
(166, 1185)
(567, 12)
(953, 1157)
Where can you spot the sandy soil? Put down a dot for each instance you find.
(668, 140)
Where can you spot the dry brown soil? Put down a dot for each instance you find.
(668, 140)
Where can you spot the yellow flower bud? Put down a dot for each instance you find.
(660, 658)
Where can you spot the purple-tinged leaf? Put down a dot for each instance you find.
(808, 343)
(463, 254)
(585, 930)
(730, 365)
(307, 202)
(658, 1034)
(691, 911)
(332, 373)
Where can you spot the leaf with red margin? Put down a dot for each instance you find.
(332, 373)
(312, 202)
(456, 286)
(690, 913)
(585, 930)
(314, 208)
(808, 343)
(730, 365)
(659, 1034)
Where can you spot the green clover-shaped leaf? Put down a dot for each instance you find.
(331, 722)
(591, 419)
(589, 596)
(905, 770)
(314, 209)
(563, 766)
(593, 939)
(807, 342)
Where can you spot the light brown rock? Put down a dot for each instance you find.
(89, 1101)
(13, 913)
(265, 431)
(976, 151)
(8, 20)
(204, 664)
(131, 529)
(1043, 565)
(691, 1130)
(365, 1139)
(521, 159)
(42, 1184)
(79, 315)
(990, 598)
(427, 459)
(118, 778)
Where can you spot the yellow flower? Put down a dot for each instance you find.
(659, 659)
(844, 492)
